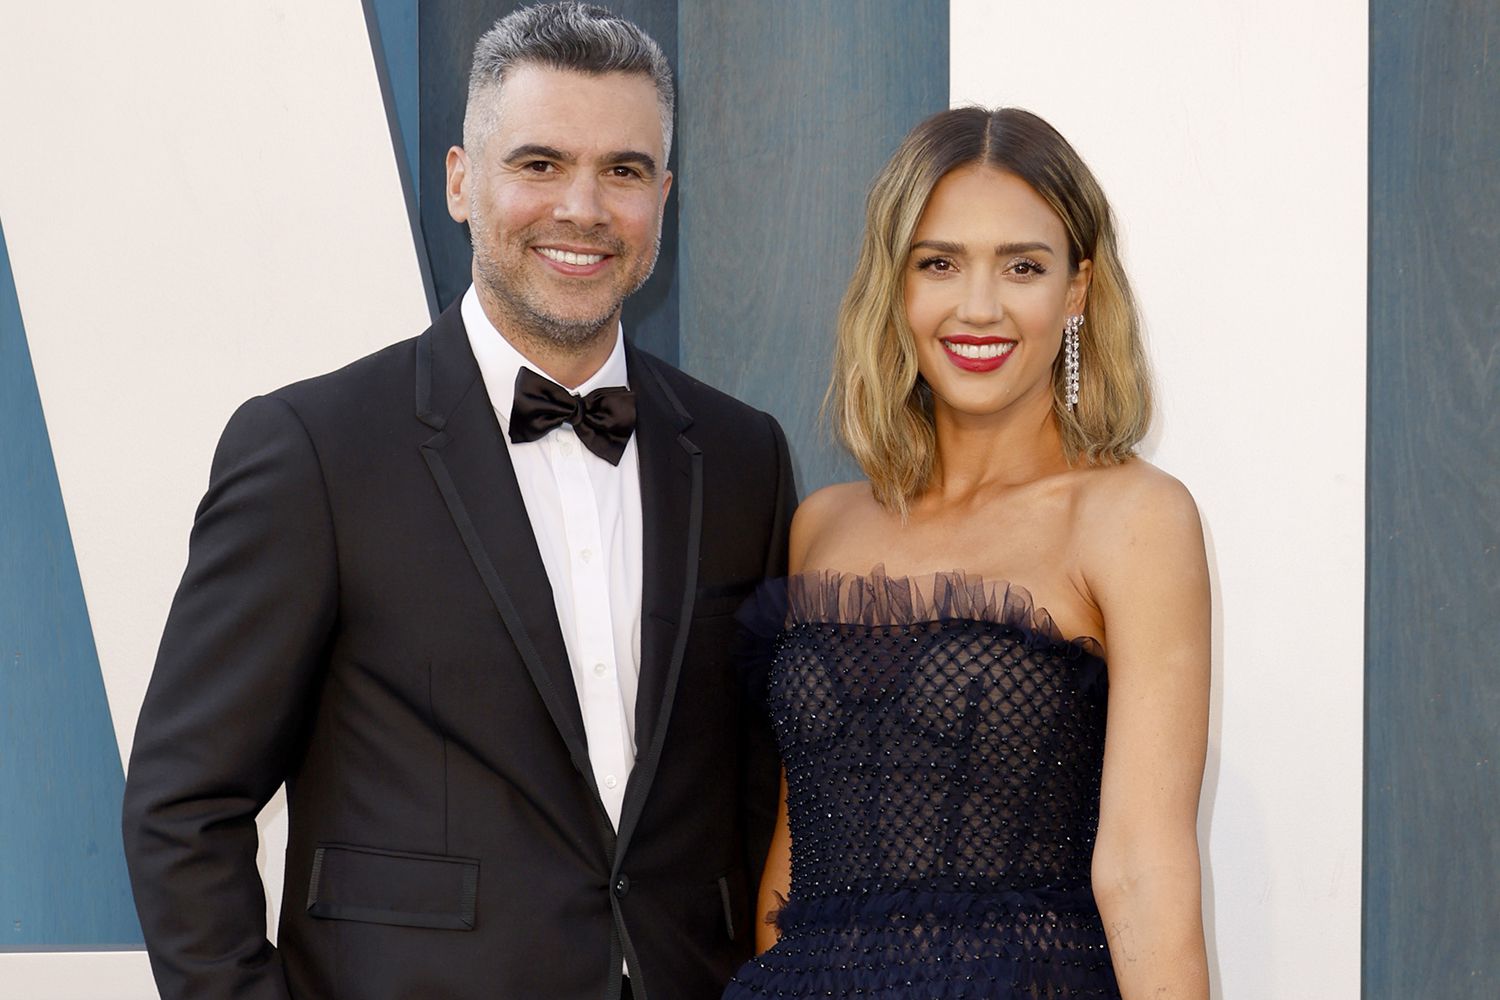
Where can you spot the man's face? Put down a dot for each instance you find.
(564, 201)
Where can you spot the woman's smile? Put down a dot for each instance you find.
(977, 354)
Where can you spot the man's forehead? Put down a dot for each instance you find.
(585, 114)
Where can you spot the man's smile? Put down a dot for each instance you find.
(569, 256)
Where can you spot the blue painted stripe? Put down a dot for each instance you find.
(1432, 613)
(397, 22)
(62, 869)
(392, 27)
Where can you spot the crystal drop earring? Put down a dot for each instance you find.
(1070, 358)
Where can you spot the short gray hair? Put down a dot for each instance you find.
(567, 35)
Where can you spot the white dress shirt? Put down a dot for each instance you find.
(586, 516)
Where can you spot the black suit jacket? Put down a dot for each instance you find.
(365, 616)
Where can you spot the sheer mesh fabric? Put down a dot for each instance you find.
(943, 744)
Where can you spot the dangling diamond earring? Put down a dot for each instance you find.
(1070, 358)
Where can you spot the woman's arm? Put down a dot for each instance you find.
(776, 880)
(1149, 576)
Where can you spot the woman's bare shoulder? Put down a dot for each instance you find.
(1135, 515)
(828, 514)
(1135, 492)
(823, 502)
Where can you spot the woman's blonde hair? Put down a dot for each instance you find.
(880, 407)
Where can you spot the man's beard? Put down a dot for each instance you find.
(512, 292)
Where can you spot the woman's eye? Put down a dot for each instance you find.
(941, 265)
(1027, 268)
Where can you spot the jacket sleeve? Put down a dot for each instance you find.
(228, 708)
(762, 777)
(786, 506)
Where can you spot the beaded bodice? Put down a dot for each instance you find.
(939, 735)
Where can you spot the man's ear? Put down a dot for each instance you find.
(457, 187)
(666, 189)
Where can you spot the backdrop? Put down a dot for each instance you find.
(199, 203)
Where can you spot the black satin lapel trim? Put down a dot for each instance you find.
(672, 523)
(446, 368)
(471, 466)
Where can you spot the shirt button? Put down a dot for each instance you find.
(622, 886)
(599, 669)
(586, 554)
(610, 781)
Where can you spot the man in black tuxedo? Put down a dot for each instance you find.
(473, 602)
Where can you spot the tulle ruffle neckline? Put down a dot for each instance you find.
(835, 597)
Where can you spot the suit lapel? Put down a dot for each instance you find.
(671, 516)
(471, 465)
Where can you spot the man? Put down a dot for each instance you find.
(479, 625)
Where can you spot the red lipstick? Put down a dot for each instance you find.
(981, 364)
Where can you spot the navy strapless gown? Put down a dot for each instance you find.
(943, 746)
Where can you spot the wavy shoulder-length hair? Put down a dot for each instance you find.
(880, 407)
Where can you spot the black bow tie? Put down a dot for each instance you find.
(603, 419)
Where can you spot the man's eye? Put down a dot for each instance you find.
(538, 167)
(625, 172)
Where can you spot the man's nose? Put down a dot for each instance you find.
(582, 203)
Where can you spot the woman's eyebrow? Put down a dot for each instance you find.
(1031, 246)
(1001, 249)
(941, 246)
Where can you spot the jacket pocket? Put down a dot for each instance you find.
(732, 897)
(393, 887)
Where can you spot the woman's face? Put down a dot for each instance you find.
(987, 292)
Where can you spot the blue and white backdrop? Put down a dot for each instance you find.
(200, 202)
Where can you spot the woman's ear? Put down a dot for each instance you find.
(1078, 287)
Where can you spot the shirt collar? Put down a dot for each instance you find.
(499, 360)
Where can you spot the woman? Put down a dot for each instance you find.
(958, 819)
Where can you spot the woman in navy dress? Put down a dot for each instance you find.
(988, 673)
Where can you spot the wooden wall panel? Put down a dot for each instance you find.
(787, 111)
(1432, 785)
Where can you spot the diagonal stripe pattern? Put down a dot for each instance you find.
(62, 872)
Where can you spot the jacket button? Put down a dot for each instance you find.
(622, 886)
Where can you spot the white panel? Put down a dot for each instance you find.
(1231, 138)
(71, 975)
(201, 203)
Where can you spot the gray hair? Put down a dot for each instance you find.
(566, 35)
